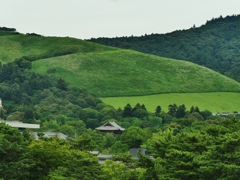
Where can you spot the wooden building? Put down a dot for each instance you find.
(111, 127)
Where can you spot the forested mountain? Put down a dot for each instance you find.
(214, 45)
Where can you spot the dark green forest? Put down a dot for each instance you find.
(214, 45)
(185, 148)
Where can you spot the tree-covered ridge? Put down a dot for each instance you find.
(214, 45)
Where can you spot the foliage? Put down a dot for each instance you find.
(47, 154)
(83, 143)
(15, 160)
(211, 153)
(180, 150)
(153, 122)
(108, 140)
(213, 45)
(61, 84)
(118, 147)
(116, 171)
(133, 137)
(78, 165)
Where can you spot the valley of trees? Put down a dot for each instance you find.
(214, 45)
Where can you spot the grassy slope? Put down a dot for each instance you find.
(215, 102)
(107, 71)
(214, 45)
(130, 73)
(16, 46)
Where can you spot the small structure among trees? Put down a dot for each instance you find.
(111, 127)
(20, 125)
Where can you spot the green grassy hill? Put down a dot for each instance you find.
(106, 71)
(214, 45)
(130, 73)
(13, 46)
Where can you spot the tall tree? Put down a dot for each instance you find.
(158, 111)
(127, 111)
(181, 111)
(134, 137)
(172, 109)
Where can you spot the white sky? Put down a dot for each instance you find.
(84, 19)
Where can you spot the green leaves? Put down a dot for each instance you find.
(211, 153)
(134, 137)
(15, 161)
(78, 165)
(119, 147)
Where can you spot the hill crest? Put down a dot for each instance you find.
(214, 45)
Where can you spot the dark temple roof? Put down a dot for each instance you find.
(110, 126)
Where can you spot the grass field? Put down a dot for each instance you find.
(215, 102)
(128, 73)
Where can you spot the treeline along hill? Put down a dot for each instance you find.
(214, 45)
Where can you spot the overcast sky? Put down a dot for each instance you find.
(84, 19)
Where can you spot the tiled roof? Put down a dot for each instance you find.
(110, 126)
(19, 124)
(52, 134)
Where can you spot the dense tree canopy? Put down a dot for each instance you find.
(15, 160)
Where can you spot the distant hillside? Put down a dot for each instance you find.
(14, 45)
(129, 73)
(106, 71)
(214, 45)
